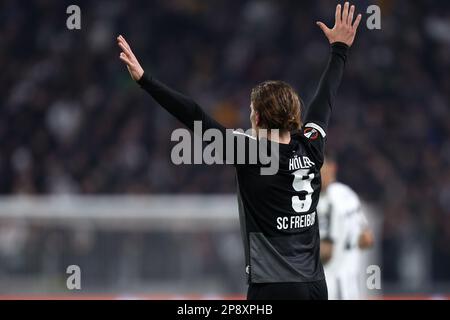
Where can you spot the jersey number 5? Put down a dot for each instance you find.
(302, 184)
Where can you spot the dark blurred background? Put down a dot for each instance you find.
(73, 122)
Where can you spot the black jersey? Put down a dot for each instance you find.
(277, 212)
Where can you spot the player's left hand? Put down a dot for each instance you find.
(345, 28)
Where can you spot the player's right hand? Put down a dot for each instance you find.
(127, 56)
(345, 28)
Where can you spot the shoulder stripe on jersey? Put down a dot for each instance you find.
(317, 127)
(244, 134)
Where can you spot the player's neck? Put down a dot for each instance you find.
(283, 137)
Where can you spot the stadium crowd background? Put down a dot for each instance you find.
(71, 121)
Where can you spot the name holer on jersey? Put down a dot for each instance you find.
(297, 163)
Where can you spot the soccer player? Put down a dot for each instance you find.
(277, 212)
(344, 233)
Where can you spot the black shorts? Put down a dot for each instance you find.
(288, 291)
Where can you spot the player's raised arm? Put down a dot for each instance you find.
(177, 104)
(341, 37)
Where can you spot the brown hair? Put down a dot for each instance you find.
(278, 106)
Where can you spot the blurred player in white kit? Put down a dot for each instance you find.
(344, 233)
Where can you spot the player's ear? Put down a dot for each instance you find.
(257, 118)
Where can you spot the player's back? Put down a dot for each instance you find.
(278, 215)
